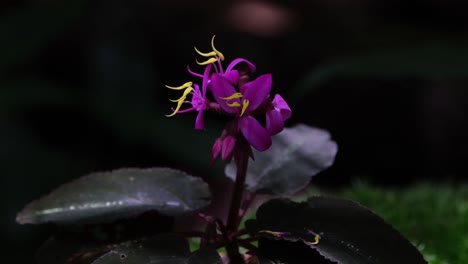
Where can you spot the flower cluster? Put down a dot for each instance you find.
(235, 93)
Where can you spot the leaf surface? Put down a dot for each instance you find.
(297, 154)
(341, 230)
(106, 196)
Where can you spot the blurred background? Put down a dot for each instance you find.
(82, 88)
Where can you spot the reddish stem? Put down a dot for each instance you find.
(242, 161)
(241, 157)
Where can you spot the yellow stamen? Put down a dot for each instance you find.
(183, 86)
(233, 96)
(234, 104)
(220, 55)
(215, 54)
(184, 95)
(180, 101)
(209, 61)
(316, 240)
(245, 104)
(208, 54)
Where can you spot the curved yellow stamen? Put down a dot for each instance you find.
(220, 55)
(215, 54)
(233, 96)
(180, 101)
(208, 54)
(234, 104)
(208, 61)
(316, 240)
(184, 95)
(245, 104)
(183, 86)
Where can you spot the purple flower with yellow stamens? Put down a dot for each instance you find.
(199, 101)
(235, 94)
(242, 104)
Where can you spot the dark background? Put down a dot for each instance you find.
(82, 88)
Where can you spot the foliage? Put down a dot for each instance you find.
(432, 216)
(338, 229)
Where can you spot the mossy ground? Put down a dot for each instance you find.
(432, 216)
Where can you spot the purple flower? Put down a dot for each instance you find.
(277, 114)
(242, 104)
(235, 94)
(199, 101)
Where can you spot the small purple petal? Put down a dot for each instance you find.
(198, 100)
(232, 76)
(228, 145)
(255, 134)
(241, 60)
(274, 122)
(199, 124)
(280, 104)
(257, 91)
(221, 87)
(216, 149)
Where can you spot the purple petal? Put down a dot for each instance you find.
(221, 87)
(280, 104)
(232, 76)
(206, 78)
(216, 149)
(256, 135)
(240, 60)
(274, 122)
(257, 91)
(199, 124)
(228, 145)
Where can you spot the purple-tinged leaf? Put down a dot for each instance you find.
(295, 156)
(341, 230)
(165, 248)
(106, 196)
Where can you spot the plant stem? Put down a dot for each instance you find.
(248, 199)
(242, 160)
(233, 218)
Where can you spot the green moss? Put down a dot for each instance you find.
(433, 217)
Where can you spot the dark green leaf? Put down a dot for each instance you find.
(57, 251)
(296, 155)
(161, 249)
(339, 229)
(117, 194)
(87, 242)
(282, 251)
